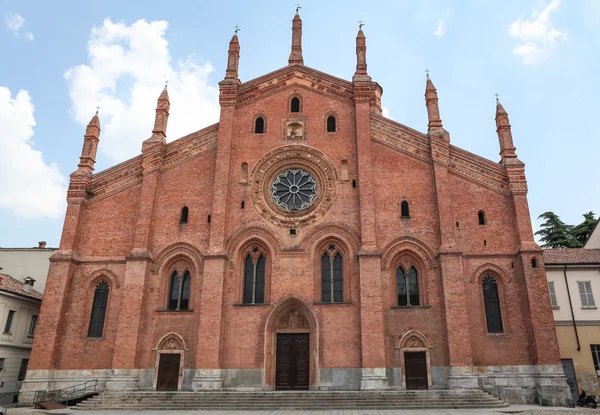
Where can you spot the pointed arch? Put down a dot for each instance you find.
(277, 322)
(170, 343)
(180, 249)
(414, 245)
(410, 342)
(171, 334)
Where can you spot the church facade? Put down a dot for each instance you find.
(303, 242)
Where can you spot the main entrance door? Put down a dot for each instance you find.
(415, 365)
(292, 361)
(168, 372)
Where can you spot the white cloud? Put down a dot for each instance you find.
(14, 23)
(385, 112)
(538, 38)
(125, 75)
(441, 29)
(30, 187)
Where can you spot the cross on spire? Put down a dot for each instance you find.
(237, 28)
(97, 109)
(298, 7)
(497, 95)
(427, 72)
(360, 24)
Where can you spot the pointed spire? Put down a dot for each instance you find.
(507, 148)
(233, 57)
(296, 54)
(87, 160)
(361, 56)
(431, 102)
(159, 132)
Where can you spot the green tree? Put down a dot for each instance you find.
(583, 230)
(554, 233)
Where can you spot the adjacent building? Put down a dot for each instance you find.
(21, 263)
(574, 287)
(19, 311)
(305, 241)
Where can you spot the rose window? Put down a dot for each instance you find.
(294, 189)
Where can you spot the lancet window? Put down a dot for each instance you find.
(98, 314)
(179, 291)
(407, 286)
(491, 300)
(332, 276)
(254, 277)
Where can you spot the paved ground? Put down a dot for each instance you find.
(513, 409)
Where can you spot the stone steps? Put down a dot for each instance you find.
(301, 400)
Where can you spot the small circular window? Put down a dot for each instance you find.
(294, 189)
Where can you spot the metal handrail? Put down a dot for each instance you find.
(66, 394)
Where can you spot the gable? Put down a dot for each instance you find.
(278, 80)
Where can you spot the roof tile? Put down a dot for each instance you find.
(566, 256)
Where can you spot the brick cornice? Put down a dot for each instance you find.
(129, 173)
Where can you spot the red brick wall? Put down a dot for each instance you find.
(107, 229)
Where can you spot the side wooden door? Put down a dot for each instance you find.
(168, 372)
(415, 365)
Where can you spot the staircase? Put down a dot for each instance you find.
(301, 400)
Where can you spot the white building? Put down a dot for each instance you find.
(574, 285)
(21, 263)
(19, 310)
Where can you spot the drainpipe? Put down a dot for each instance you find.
(572, 313)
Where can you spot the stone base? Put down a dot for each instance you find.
(461, 377)
(123, 380)
(527, 384)
(373, 379)
(544, 384)
(207, 380)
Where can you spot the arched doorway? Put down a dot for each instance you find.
(415, 360)
(168, 369)
(291, 347)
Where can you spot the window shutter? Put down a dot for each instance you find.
(581, 285)
(590, 295)
(552, 292)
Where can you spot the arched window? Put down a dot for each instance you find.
(184, 215)
(407, 286)
(98, 310)
(491, 300)
(179, 291)
(534, 263)
(254, 277)
(404, 209)
(331, 124)
(259, 125)
(332, 273)
(481, 216)
(295, 105)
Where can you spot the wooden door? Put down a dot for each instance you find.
(293, 351)
(168, 372)
(415, 365)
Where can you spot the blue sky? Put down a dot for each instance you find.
(62, 59)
